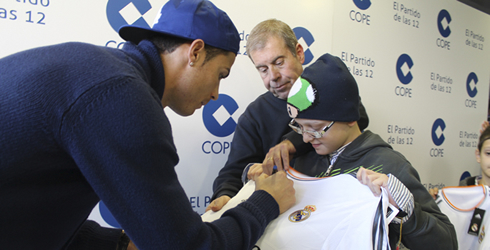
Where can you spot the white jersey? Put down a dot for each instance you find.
(330, 213)
(459, 204)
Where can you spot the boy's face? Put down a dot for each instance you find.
(337, 136)
(483, 157)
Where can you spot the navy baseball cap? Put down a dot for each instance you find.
(189, 19)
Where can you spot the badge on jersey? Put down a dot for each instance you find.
(482, 234)
(476, 221)
(303, 214)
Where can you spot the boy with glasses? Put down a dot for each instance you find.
(324, 105)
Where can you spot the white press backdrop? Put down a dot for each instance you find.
(422, 69)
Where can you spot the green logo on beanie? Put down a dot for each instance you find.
(301, 95)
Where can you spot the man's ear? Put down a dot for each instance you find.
(196, 52)
(300, 53)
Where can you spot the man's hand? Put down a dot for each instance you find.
(279, 156)
(374, 181)
(131, 246)
(218, 203)
(254, 171)
(280, 187)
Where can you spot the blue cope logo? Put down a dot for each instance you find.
(107, 216)
(305, 38)
(362, 4)
(216, 116)
(124, 12)
(403, 66)
(472, 78)
(437, 132)
(443, 20)
(464, 175)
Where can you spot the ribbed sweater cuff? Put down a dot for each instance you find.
(92, 236)
(261, 203)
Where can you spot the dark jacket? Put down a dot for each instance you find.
(468, 181)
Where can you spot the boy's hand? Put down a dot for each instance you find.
(484, 125)
(374, 181)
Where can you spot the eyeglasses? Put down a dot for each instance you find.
(316, 134)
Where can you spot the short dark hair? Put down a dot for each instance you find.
(168, 44)
(485, 135)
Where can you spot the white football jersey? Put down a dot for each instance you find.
(330, 213)
(459, 204)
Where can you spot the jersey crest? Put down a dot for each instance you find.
(303, 214)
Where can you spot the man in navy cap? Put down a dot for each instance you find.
(81, 123)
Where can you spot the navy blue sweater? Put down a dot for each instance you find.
(81, 123)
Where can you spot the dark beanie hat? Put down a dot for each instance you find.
(325, 91)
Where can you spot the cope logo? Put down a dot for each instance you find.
(305, 38)
(437, 132)
(443, 20)
(403, 66)
(464, 175)
(216, 116)
(471, 82)
(124, 12)
(362, 4)
(107, 216)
